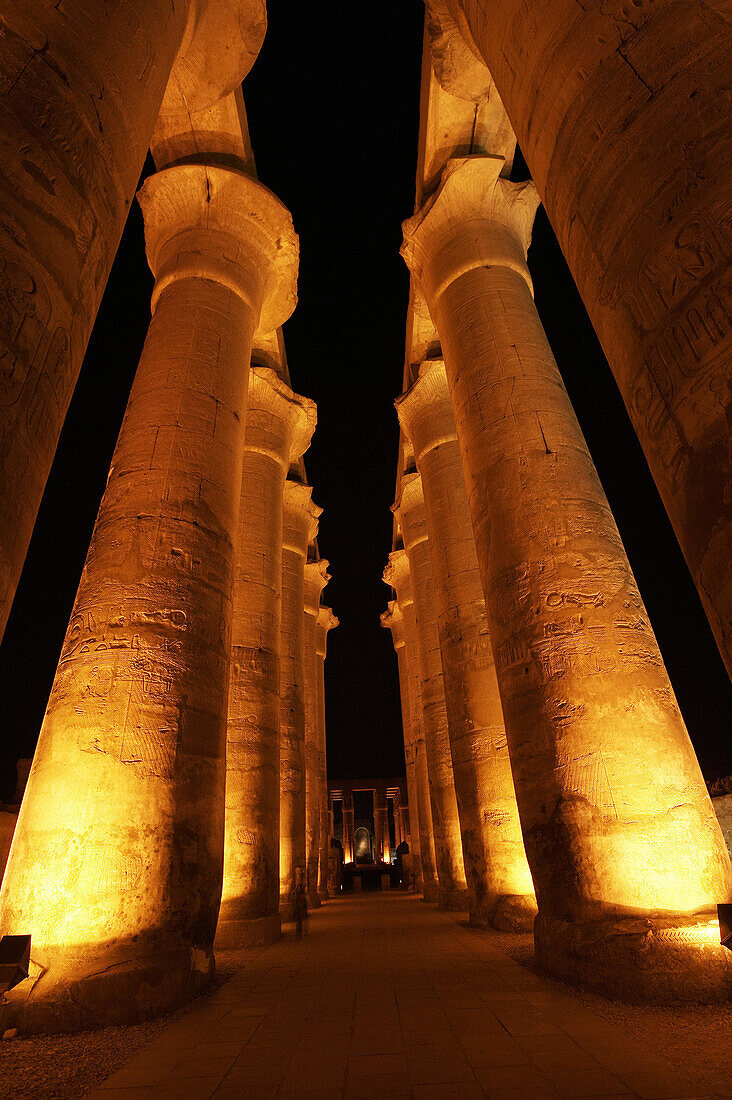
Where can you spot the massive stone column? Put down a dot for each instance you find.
(398, 575)
(316, 578)
(326, 621)
(499, 881)
(445, 822)
(279, 427)
(620, 111)
(83, 83)
(393, 620)
(300, 525)
(626, 855)
(117, 861)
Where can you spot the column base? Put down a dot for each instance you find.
(648, 960)
(87, 990)
(511, 913)
(430, 894)
(254, 932)
(314, 901)
(453, 900)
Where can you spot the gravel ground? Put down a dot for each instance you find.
(65, 1067)
(697, 1039)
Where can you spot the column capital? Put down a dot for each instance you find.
(425, 410)
(398, 576)
(326, 621)
(475, 219)
(316, 578)
(393, 620)
(209, 222)
(410, 510)
(220, 44)
(300, 517)
(271, 400)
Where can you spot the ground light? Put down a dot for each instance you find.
(14, 961)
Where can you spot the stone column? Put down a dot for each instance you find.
(278, 431)
(300, 525)
(618, 110)
(316, 578)
(436, 791)
(326, 622)
(393, 620)
(626, 855)
(398, 834)
(117, 862)
(499, 882)
(83, 84)
(410, 511)
(381, 830)
(349, 831)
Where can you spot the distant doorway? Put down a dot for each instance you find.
(364, 846)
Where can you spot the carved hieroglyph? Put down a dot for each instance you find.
(398, 575)
(621, 110)
(116, 866)
(327, 621)
(300, 526)
(81, 89)
(393, 620)
(279, 427)
(410, 513)
(614, 811)
(316, 578)
(499, 881)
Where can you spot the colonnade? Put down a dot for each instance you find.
(559, 772)
(176, 794)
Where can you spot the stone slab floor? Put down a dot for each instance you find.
(388, 998)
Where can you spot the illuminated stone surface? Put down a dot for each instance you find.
(300, 525)
(499, 881)
(398, 575)
(620, 833)
(278, 430)
(349, 834)
(117, 860)
(393, 620)
(327, 621)
(619, 111)
(83, 83)
(410, 512)
(316, 578)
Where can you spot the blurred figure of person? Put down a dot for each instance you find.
(300, 908)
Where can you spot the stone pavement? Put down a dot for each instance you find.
(388, 998)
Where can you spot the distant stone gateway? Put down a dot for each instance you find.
(179, 798)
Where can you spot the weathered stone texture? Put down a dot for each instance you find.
(410, 511)
(117, 861)
(615, 815)
(82, 86)
(499, 881)
(398, 575)
(316, 578)
(393, 619)
(278, 430)
(327, 621)
(622, 113)
(300, 526)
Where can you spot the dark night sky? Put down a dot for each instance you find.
(333, 104)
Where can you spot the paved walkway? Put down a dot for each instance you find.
(386, 998)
